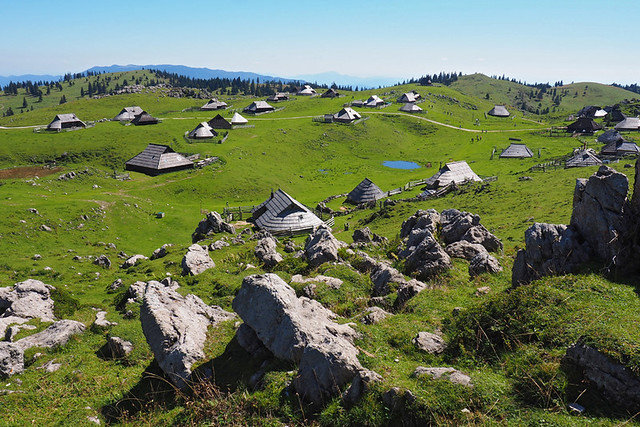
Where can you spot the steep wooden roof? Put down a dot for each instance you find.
(365, 192)
(409, 97)
(499, 111)
(214, 104)
(281, 213)
(144, 118)
(610, 135)
(583, 158)
(202, 131)
(219, 122)
(258, 107)
(630, 123)
(156, 159)
(64, 121)
(517, 151)
(410, 107)
(457, 172)
(374, 101)
(237, 119)
(346, 115)
(584, 125)
(307, 91)
(620, 148)
(331, 93)
(128, 113)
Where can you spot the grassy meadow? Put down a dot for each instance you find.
(516, 383)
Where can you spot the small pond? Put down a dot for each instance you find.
(400, 164)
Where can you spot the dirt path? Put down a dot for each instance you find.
(20, 127)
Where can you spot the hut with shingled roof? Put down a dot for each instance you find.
(499, 111)
(584, 125)
(237, 119)
(516, 151)
(282, 214)
(620, 148)
(583, 158)
(609, 136)
(258, 107)
(454, 172)
(307, 91)
(346, 115)
(630, 123)
(157, 159)
(128, 113)
(278, 96)
(410, 107)
(66, 121)
(365, 192)
(331, 93)
(144, 118)
(214, 104)
(412, 96)
(219, 122)
(374, 101)
(203, 131)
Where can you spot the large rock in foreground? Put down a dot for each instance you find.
(300, 330)
(176, 328)
(55, 335)
(29, 299)
(196, 260)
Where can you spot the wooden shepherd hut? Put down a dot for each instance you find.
(346, 115)
(237, 119)
(374, 101)
(157, 159)
(203, 131)
(583, 158)
(412, 96)
(219, 122)
(66, 121)
(620, 148)
(331, 93)
(258, 107)
(281, 214)
(584, 125)
(630, 123)
(499, 111)
(144, 118)
(214, 104)
(609, 136)
(278, 96)
(516, 151)
(456, 172)
(410, 107)
(365, 192)
(307, 91)
(128, 113)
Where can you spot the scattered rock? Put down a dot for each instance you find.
(37, 257)
(616, 383)
(309, 291)
(117, 348)
(33, 211)
(265, 251)
(211, 224)
(28, 299)
(51, 366)
(332, 282)
(322, 247)
(484, 290)
(458, 226)
(117, 284)
(102, 261)
(300, 330)
(483, 263)
(162, 251)
(465, 250)
(135, 293)
(421, 220)
(431, 343)
(374, 315)
(55, 335)
(426, 258)
(11, 359)
(453, 375)
(131, 261)
(101, 320)
(196, 260)
(44, 227)
(290, 247)
(361, 383)
(218, 244)
(176, 328)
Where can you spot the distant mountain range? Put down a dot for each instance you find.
(207, 73)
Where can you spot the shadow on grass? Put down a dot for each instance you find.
(155, 392)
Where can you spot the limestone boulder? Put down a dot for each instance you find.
(300, 330)
(484, 263)
(375, 315)
(56, 335)
(427, 258)
(421, 220)
(176, 329)
(451, 374)
(210, 225)
(133, 260)
(28, 299)
(117, 348)
(162, 251)
(266, 252)
(196, 260)
(322, 247)
(102, 261)
(431, 343)
(11, 359)
(464, 249)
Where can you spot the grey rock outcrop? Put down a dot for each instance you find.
(300, 330)
(11, 359)
(421, 220)
(451, 374)
(28, 299)
(117, 348)
(161, 252)
(209, 225)
(385, 277)
(266, 252)
(176, 329)
(218, 244)
(458, 226)
(616, 383)
(365, 236)
(424, 256)
(550, 249)
(375, 315)
(431, 343)
(332, 282)
(102, 261)
(465, 250)
(322, 247)
(409, 290)
(196, 260)
(483, 263)
(101, 320)
(133, 260)
(55, 335)
(360, 385)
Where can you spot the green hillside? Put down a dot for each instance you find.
(519, 381)
(565, 99)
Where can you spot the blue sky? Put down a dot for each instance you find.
(541, 41)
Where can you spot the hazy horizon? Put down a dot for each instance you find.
(545, 42)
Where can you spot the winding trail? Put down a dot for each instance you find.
(363, 113)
